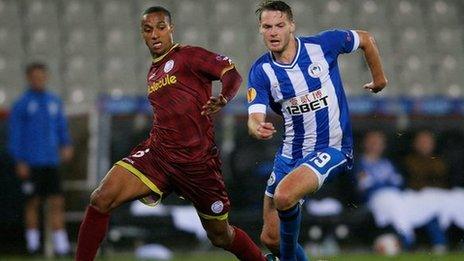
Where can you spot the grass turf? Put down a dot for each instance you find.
(222, 256)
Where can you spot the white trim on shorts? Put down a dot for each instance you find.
(320, 177)
(268, 194)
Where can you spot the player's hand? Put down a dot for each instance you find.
(22, 170)
(375, 87)
(265, 131)
(213, 105)
(67, 153)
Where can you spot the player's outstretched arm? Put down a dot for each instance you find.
(259, 128)
(371, 53)
(231, 81)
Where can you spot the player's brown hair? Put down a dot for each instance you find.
(35, 66)
(273, 5)
(158, 9)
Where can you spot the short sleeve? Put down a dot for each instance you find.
(258, 91)
(209, 64)
(341, 41)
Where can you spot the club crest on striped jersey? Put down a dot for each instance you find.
(168, 66)
(251, 94)
(315, 70)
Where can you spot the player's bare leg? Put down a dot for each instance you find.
(291, 189)
(57, 223)
(31, 218)
(56, 208)
(270, 234)
(118, 186)
(31, 212)
(230, 238)
(219, 232)
(297, 184)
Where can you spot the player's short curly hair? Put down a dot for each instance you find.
(35, 66)
(273, 5)
(158, 9)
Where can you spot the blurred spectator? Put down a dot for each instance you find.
(381, 187)
(38, 136)
(376, 172)
(423, 167)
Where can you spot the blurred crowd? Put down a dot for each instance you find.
(412, 193)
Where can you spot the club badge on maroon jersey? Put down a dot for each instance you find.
(168, 66)
(217, 207)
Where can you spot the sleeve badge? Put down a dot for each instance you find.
(251, 94)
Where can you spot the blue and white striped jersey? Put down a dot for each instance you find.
(308, 93)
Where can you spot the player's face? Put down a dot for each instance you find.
(37, 79)
(277, 30)
(157, 33)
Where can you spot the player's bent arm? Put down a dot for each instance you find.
(231, 81)
(371, 53)
(258, 127)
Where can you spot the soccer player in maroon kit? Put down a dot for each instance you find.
(180, 155)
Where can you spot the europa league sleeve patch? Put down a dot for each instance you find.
(251, 94)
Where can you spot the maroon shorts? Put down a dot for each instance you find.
(201, 183)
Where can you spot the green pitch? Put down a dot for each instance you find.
(220, 256)
(344, 257)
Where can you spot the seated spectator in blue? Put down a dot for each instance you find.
(381, 187)
(375, 172)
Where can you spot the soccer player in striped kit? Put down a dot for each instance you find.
(299, 79)
(180, 154)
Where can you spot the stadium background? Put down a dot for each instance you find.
(99, 63)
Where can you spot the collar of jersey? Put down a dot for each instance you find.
(295, 59)
(157, 59)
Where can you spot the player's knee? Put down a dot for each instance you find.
(33, 203)
(220, 239)
(283, 200)
(271, 241)
(57, 203)
(101, 201)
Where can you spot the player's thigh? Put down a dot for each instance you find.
(55, 202)
(203, 185)
(32, 203)
(326, 164)
(309, 176)
(282, 167)
(294, 186)
(271, 223)
(118, 186)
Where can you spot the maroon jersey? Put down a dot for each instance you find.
(179, 84)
